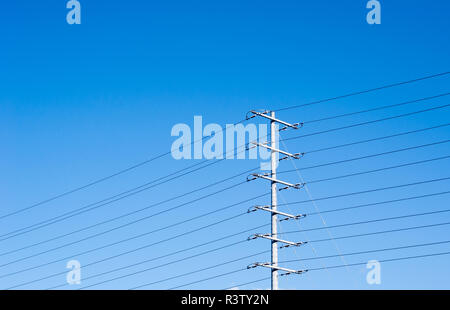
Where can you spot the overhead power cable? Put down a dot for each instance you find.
(149, 216)
(126, 240)
(139, 189)
(120, 172)
(8, 236)
(147, 233)
(352, 94)
(311, 269)
(375, 109)
(368, 251)
(366, 123)
(329, 267)
(314, 181)
(98, 204)
(367, 191)
(370, 221)
(296, 260)
(376, 139)
(235, 234)
(223, 180)
(311, 241)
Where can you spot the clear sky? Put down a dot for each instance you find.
(80, 102)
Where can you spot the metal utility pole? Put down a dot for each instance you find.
(274, 164)
(273, 209)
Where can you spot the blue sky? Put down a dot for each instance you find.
(79, 102)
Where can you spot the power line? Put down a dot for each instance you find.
(370, 251)
(376, 108)
(298, 260)
(378, 170)
(190, 248)
(386, 260)
(318, 240)
(210, 278)
(232, 235)
(159, 257)
(371, 221)
(368, 191)
(177, 276)
(148, 260)
(376, 139)
(312, 269)
(366, 123)
(86, 208)
(383, 232)
(98, 204)
(167, 153)
(128, 239)
(364, 91)
(369, 156)
(356, 253)
(147, 233)
(338, 266)
(156, 204)
(154, 214)
(119, 217)
(110, 177)
(247, 283)
(379, 203)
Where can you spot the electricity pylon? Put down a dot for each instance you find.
(272, 209)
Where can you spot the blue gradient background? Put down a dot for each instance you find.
(78, 102)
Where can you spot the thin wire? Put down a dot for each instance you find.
(370, 251)
(316, 133)
(167, 153)
(387, 260)
(376, 108)
(317, 199)
(318, 240)
(198, 270)
(313, 269)
(376, 139)
(220, 239)
(366, 123)
(210, 278)
(142, 262)
(151, 215)
(315, 206)
(123, 215)
(109, 177)
(247, 283)
(369, 156)
(346, 254)
(314, 181)
(209, 242)
(371, 221)
(384, 232)
(370, 190)
(341, 266)
(281, 172)
(377, 170)
(364, 91)
(130, 238)
(306, 236)
(96, 205)
(380, 202)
